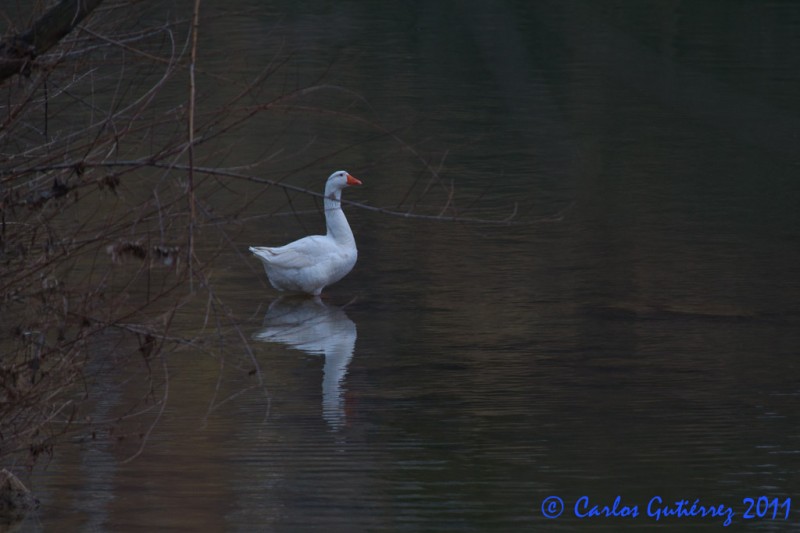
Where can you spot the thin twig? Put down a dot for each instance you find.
(190, 173)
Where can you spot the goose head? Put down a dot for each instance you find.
(338, 181)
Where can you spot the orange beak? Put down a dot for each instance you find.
(353, 181)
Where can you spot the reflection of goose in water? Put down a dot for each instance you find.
(310, 325)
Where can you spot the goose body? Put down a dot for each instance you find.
(310, 264)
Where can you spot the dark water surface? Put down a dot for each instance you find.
(645, 345)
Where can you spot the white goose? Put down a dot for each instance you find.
(312, 263)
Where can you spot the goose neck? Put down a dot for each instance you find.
(336, 222)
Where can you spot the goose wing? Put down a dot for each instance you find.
(303, 253)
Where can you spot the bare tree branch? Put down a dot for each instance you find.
(18, 51)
